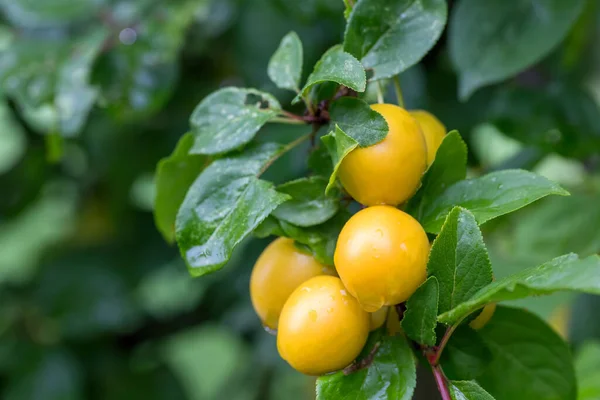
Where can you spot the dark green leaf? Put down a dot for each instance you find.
(389, 36)
(466, 355)
(174, 175)
(420, 318)
(223, 206)
(337, 66)
(285, 66)
(490, 196)
(13, 142)
(459, 260)
(567, 272)
(587, 367)
(391, 376)
(308, 204)
(319, 161)
(339, 145)
(449, 167)
(530, 360)
(356, 118)
(468, 390)
(229, 118)
(515, 35)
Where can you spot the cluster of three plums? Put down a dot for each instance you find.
(323, 320)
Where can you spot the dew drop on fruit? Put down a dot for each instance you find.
(329, 310)
(270, 331)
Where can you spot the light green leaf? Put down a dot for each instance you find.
(466, 355)
(285, 66)
(223, 206)
(493, 40)
(339, 145)
(389, 36)
(174, 175)
(468, 390)
(36, 13)
(490, 196)
(229, 118)
(449, 167)
(308, 204)
(530, 360)
(587, 367)
(356, 118)
(567, 272)
(459, 260)
(337, 66)
(391, 376)
(420, 317)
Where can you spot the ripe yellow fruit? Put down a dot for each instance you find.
(378, 318)
(278, 271)
(381, 256)
(390, 171)
(322, 328)
(484, 317)
(433, 131)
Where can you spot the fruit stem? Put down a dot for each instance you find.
(441, 382)
(284, 150)
(379, 93)
(398, 90)
(364, 363)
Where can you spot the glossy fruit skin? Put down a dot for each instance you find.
(390, 171)
(278, 271)
(378, 318)
(433, 132)
(322, 328)
(484, 317)
(381, 256)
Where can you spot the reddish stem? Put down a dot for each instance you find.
(440, 380)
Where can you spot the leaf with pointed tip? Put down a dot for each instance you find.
(391, 375)
(449, 167)
(529, 359)
(339, 145)
(513, 36)
(567, 272)
(358, 120)
(459, 260)
(336, 66)
(468, 390)
(223, 206)
(490, 196)
(174, 175)
(420, 318)
(285, 66)
(389, 36)
(229, 118)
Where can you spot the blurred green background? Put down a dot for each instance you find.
(95, 305)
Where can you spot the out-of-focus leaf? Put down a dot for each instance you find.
(229, 118)
(490, 196)
(391, 375)
(587, 368)
(223, 206)
(567, 272)
(459, 260)
(12, 139)
(337, 66)
(520, 343)
(391, 36)
(174, 175)
(36, 13)
(285, 66)
(420, 317)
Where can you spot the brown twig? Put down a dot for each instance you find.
(364, 363)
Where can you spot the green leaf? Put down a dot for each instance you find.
(515, 36)
(391, 376)
(356, 118)
(459, 260)
(339, 145)
(530, 360)
(468, 390)
(567, 272)
(449, 167)
(347, 8)
(587, 367)
(420, 318)
(308, 205)
(285, 66)
(36, 13)
(174, 175)
(223, 206)
(229, 118)
(319, 161)
(318, 240)
(490, 196)
(466, 355)
(13, 142)
(389, 36)
(337, 66)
